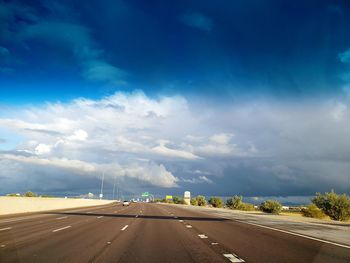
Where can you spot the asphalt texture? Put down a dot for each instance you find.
(151, 233)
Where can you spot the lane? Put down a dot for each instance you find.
(153, 233)
(256, 244)
(155, 236)
(28, 230)
(86, 232)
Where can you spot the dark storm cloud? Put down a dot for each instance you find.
(273, 48)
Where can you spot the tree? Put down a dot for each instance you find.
(335, 206)
(216, 202)
(30, 194)
(271, 206)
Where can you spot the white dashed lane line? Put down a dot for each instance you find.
(188, 226)
(214, 243)
(63, 217)
(202, 236)
(125, 227)
(6, 228)
(62, 228)
(180, 221)
(233, 258)
(99, 216)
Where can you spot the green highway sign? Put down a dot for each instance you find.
(145, 194)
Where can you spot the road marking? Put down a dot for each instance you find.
(214, 243)
(63, 217)
(20, 218)
(233, 258)
(62, 228)
(188, 226)
(137, 216)
(296, 234)
(3, 246)
(6, 228)
(99, 216)
(202, 236)
(175, 217)
(125, 227)
(180, 221)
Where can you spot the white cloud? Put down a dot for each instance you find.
(79, 135)
(158, 140)
(42, 149)
(222, 138)
(198, 180)
(161, 149)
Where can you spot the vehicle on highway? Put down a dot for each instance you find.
(126, 203)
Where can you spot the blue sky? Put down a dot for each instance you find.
(253, 83)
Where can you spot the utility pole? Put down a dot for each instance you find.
(103, 178)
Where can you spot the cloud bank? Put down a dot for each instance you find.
(253, 149)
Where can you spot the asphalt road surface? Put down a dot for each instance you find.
(152, 233)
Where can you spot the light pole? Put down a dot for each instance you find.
(115, 179)
(103, 178)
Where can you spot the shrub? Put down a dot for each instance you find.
(13, 195)
(313, 211)
(335, 206)
(199, 200)
(271, 206)
(216, 202)
(30, 194)
(194, 201)
(178, 200)
(235, 202)
(247, 207)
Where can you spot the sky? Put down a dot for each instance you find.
(216, 97)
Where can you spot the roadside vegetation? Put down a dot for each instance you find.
(216, 202)
(29, 194)
(271, 206)
(199, 200)
(313, 211)
(337, 207)
(236, 202)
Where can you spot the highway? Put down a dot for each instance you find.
(152, 233)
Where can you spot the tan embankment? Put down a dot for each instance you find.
(15, 205)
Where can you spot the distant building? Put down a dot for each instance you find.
(187, 197)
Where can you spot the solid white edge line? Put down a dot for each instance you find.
(6, 228)
(294, 234)
(62, 228)
(125, 227)
(99, 216)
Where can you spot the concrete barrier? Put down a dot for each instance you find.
(16, 205)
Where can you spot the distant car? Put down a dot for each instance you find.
(126, 203)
